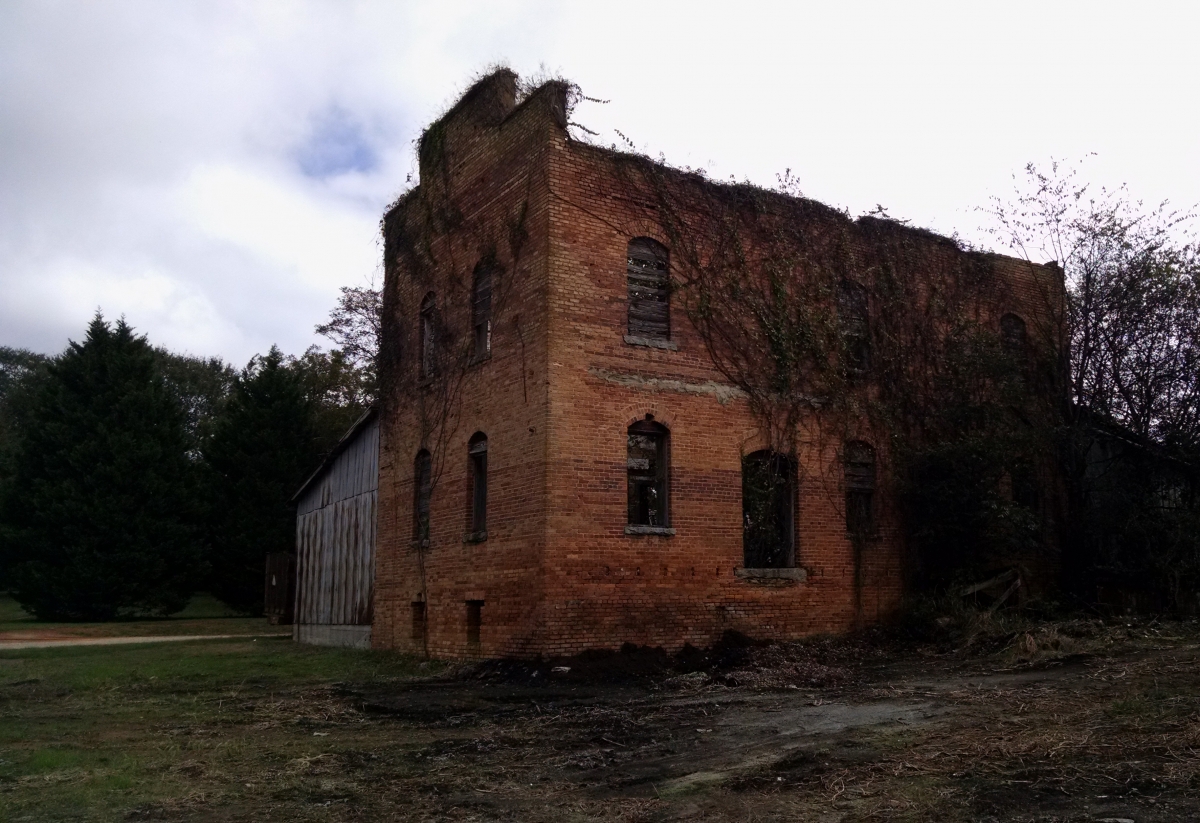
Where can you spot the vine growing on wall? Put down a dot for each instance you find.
(775, 284)
(426, 367)
(835, 331)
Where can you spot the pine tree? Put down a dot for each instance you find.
(98, 517)
(261, 449)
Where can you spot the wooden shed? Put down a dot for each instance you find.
(335, 542)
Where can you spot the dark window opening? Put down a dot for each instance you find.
(859, 460)
(1012, 335)
(422, 488)
(768, 511)
(1025, 489)
(477, 455)
(418, 620)
(647, 471)
(474, 621)
(649, 283)
(854, 323)
(481, 311)
(428, 331)
(1172, 493)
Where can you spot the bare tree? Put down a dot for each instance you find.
(353, 326)
(1133, 297)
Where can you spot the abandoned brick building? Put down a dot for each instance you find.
(566, 459)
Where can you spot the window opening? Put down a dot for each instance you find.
(474, 621)
(477, 455)
(859, 462)
(481, 311)
(418, 620)
(647, 472)
(1012, 334)
(1025, 489)
(768, 511)
(422, 488)
(854, 321)
(428, 328)
(649, 284)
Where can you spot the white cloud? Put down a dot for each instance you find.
(215, 170)
(317, 243)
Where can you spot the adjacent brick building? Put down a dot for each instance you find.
(562, 462)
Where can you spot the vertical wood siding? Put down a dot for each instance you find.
(335, 537)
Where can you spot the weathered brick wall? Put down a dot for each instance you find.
(558, 574)
(490, 166)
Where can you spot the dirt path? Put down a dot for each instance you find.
(10, 640)
(1112, 732)
(1077, 721)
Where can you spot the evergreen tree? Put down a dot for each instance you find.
(98, 511)
(261, 448)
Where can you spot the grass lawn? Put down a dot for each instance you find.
(146, 731)
(204, 614)
(1005, 720)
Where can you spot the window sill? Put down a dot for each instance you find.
(419, 544)
(652, 342)
(797, 574)
(475, 537)
(476, 359)
(663, 531)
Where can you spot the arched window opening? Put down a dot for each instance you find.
(649, 282)
(477, 457)
(768, 511)
(481, 310)
(428, 331)
(647, 474)
(854, 323)
(1012, 335)
(859, 460)
(422, 489)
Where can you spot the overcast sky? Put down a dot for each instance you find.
(215, 171)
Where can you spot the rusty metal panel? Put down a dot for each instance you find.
(335, 536)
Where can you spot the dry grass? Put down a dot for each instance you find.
(995, 719)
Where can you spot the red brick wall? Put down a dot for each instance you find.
(558, 574)
(493, 172)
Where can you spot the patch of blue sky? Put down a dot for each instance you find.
(337, 145)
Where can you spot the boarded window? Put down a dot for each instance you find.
(428, 331)
(418, 620)
(859, 465)
(646, 463)
(1012, 335)
(474, 621)
(477, 455)
(422, 488)
(481, 310)
(854, 323)
(649, 282)
(768, 511)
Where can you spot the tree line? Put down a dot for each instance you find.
(132, 477)
(1128, 438)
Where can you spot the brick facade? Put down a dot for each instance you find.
(558, 573)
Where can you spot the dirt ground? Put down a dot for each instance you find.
(1079, 721)
(1076, 720)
